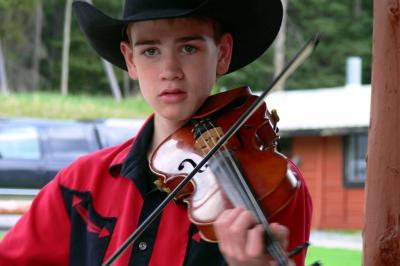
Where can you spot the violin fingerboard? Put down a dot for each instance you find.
(231, 180)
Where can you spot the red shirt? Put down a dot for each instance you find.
(91, 207)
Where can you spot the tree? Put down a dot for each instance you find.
(16, 35)
(279, 55)
(343, 33)
(3, 75)
(345, 27)
(37, 46)
(111, 77)
(66, 45)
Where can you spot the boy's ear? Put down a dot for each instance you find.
(127, 52)
(225, 53)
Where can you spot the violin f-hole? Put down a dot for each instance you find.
(192, 163)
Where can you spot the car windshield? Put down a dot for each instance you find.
(19, 143)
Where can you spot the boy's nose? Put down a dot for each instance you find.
(171, 69)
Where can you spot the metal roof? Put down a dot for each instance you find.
(328, 111)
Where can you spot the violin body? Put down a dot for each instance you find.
(253, 150)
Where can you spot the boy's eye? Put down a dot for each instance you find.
(189, 49)
(151, 52)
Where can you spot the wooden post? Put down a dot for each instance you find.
(382, 205)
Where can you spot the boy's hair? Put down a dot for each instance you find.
(218, 29)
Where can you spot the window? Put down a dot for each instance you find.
(111, 136)
(68, 142)
(354, 159)
(285, 146)
(116, 131)
(19, 143)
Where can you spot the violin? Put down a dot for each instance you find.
(250, 153)
(233, 138)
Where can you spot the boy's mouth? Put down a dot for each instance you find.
(171, 91)
(172, 95)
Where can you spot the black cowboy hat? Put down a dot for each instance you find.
(254, 24)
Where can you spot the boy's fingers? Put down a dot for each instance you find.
(238, 231)
(255, 242)
(241, 239)
(281, 233)
(221, 225)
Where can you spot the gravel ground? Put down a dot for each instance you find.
(336, 240)
(8, 220)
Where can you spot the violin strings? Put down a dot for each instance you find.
(274, 249)
(237, 172)
(226, 164)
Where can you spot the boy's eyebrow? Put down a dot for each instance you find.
(146, 42)
(191, 38)
(182, 39)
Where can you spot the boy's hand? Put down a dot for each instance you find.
(241, 240)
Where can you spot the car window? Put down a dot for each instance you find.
(19, 143)
(111, 136)
(68, 142)
(116, 131)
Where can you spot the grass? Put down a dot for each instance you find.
(333, 256)
(2, 233)
(54, 106)
(344, 231)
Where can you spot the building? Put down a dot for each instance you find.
(325, 132)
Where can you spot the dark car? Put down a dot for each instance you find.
(32, 151)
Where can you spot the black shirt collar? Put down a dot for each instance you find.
(136, 165)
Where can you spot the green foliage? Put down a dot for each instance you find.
(256, 75)
(86, 70)
(17, 4)
(16, 38)
(85, 64)
(2, 234)
(346, 31)
(13, 16)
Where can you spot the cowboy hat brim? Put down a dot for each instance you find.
(253, 24)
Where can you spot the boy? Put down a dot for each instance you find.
(176, 50)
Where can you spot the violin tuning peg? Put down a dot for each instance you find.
(166, 190)
(160, 186)
(275, 116)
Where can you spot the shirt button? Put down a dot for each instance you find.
(142, 246)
